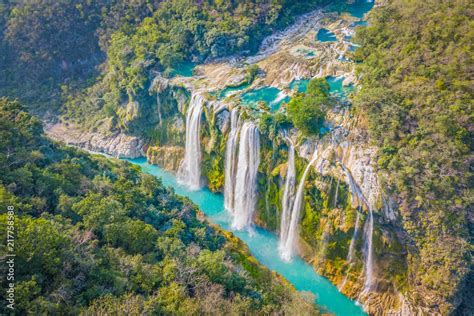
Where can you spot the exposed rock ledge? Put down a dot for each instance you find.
(167, 157)
(117, 144)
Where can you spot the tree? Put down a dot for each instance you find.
(307, 111)
(132, 235)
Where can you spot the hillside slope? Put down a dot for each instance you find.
(417, 98)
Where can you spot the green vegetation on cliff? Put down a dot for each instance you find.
(308, 110)
(416, 95)
(97, 236)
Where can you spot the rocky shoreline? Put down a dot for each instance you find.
(117, 144)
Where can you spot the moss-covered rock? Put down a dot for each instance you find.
(167, 157)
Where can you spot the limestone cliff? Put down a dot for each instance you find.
(167, 157)
(115, 144)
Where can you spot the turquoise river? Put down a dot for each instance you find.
(264, 246)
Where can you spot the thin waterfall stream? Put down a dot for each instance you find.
(287, 251)
(369, 265)
(337, 191)
(356, 193)
(350, 253)
(288, 197)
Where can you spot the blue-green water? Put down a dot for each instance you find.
(359, 8)
(337, 89)
(228, 90)
(325, 35)
(184, 70)
(343, 59)
(359, 23)
(306, 52)
(300, 85)
(263, 245)
(270, 95)
(352, 48)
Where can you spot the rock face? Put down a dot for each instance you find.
(116, 144)
(167, 157)
(358, 159)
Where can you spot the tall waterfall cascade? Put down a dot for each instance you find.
(350, 253)
(356, 193)
(245, 191)
(189, 172)
(369, 264)
(337, 191)
(288, 197)
(287, 249)
(231, 161)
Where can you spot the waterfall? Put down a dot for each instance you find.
(350, 253)
(369, 265)
(356, 194)
(245, 193)
(337, 191)
(330, 181)
(287, 200)
(288, 244)
(189, 172)
(230, 161)
(369, 258)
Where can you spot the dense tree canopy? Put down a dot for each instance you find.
(47, 46)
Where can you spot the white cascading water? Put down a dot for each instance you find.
(335, 195)
(230, 161)
(280, 96)
(189, 172)
(369, 262)
(350, 254)
(286, 252)
(245, 194)
(355, 194)
(369, 265)
(288, 195)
